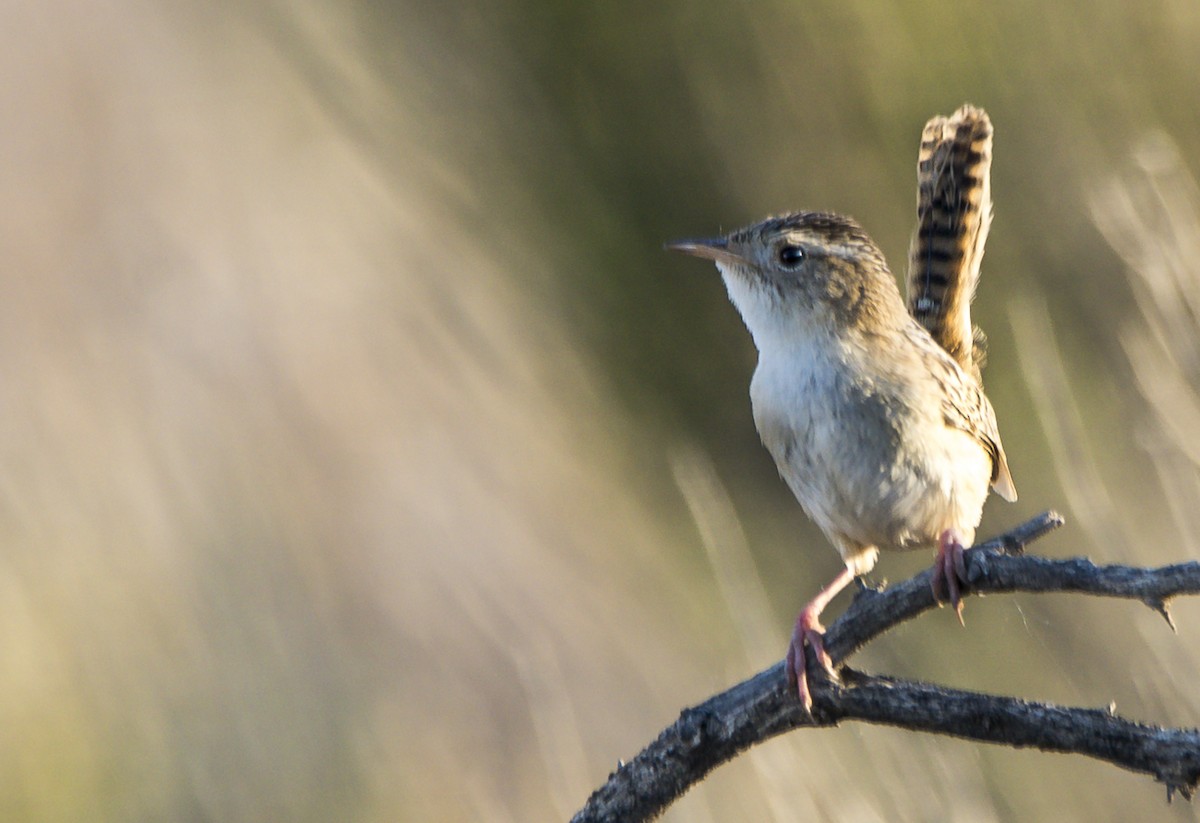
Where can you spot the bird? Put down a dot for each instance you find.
(871, 405)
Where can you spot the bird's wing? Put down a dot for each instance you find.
(966, 408)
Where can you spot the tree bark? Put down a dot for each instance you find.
(757, 709)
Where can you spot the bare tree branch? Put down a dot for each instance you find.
(757, 709)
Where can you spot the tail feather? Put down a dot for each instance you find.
(954, 212)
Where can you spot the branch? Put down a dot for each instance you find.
(757, 709)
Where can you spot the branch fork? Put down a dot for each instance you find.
(762, 707)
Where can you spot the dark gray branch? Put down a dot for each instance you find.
(759, 708)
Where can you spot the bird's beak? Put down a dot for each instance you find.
(710, 248)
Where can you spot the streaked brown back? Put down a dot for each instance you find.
(954, 212)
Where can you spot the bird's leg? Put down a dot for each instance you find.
(949, 571)
(809, 630)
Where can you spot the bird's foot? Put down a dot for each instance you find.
(950, 572)
(808, 631)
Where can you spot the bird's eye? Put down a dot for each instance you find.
(791, 256)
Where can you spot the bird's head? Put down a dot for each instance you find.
(805, 269)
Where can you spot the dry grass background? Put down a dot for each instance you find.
(363, 458)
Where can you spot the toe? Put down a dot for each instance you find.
(796, 675)
(795, 666)
(816, 640)
(951, 578)
(950, 572)
(959, 556)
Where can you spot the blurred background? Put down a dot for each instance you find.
(363, 456)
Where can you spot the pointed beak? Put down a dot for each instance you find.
(710, 248)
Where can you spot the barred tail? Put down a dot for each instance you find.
(954, 212)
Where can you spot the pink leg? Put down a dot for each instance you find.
(950, 571)
(809, 630)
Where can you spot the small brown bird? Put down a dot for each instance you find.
(873, 410)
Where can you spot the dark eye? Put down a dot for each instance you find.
(791, 256)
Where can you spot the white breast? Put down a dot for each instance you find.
(869, 456)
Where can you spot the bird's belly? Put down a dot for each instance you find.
(869, 474)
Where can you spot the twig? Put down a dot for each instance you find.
(757, 709)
